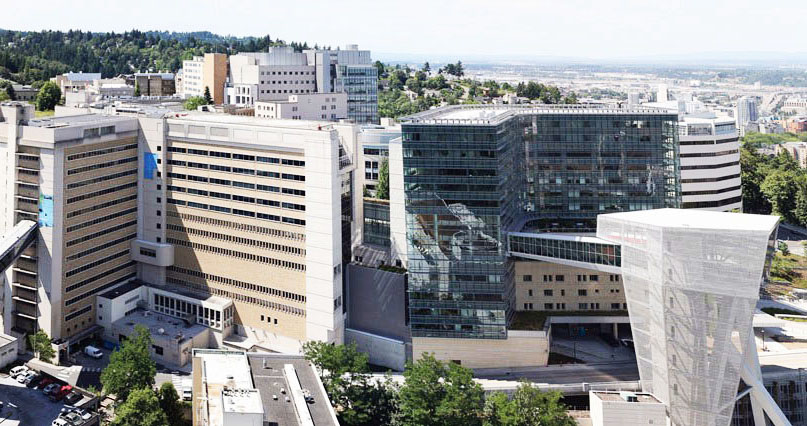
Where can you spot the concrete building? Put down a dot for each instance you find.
(208, 71)
(351, 71)
(710, 162)
(314, 106)
(155, 84)
(73, 81)
(25, 93)
(8, 349)
(797, 150)
(232, 388)
(626, 408)
(746, 112)
(76, 176)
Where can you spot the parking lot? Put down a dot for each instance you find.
(25, 406)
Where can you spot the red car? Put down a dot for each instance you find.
(61, 393)
(44, 382)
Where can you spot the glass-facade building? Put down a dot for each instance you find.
(360, 82)
(474, 173)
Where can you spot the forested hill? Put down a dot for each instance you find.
(27, 56)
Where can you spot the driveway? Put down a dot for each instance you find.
(24, 406)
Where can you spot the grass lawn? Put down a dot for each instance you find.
(774, 311)
(40, 114)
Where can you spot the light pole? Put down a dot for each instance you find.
(763, 339)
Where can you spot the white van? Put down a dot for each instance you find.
(93, 352)
(17, 370)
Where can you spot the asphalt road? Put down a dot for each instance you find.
(565, 374)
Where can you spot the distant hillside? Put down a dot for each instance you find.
(27, 56)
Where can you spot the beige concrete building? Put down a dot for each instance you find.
(315, 106)
(76, 176)
(208, 71)
(156, 83)
(545, 286)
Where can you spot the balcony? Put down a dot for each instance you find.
(28, 191)
(24, 177)
(23, 286)
(27, 162)
(24, 296)
(27, 265)
(25, 279)
(25, 310)
(21, 215)
(27, 205)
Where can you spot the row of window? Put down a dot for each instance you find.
(240, 284)
(242, 157)
(238, 254)
(102, 179)
(710, 166)
(97, 166)
(706, 180)
(713, 191)
(238, 240)
(98, 194)
(279, 233)
(95, 249)
(239, 212)
(580, 306)
(101, 219)
(94, 235)
(238, 296)
(240, 198)
(238, 184)
(580, 277)
(704, 204)
(98, 262)
(99, 131)
(97, 152)
(710, 154)
(103, 287)
(79, 312)
(580, 292)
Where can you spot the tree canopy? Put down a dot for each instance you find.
(141, 408)
(194, 102)
(382, 189)
(40, 344)
(48, 97)
(528, 406)
(130, 367)
(170, 404)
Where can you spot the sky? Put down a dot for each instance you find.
(434, 29)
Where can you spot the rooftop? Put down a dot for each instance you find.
(209, 118)
(162, 327)
(121, 289)
(494, 114)
(623, 397)
(699, 219)
(76, 121)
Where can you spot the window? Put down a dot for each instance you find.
(615, 306)
(593, 278)
(582, 306)
(582, 292)
(157, 349)
(529, 293)
(546, 292)
(527, 278)
(559, 278)
(548, 306)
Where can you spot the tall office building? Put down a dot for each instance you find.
(710, 162)
(350, 71)
(746, 112)
(205, 72)
(472, 175)
(76, 176)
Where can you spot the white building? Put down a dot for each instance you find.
(691, 294)
(192, 77)
(272, 75)
(746, 112)
(626, 409)
(314, 106)
(710, 162)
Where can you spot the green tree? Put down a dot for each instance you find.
(194, 102)
(40, 344)
(380, 68)
(780, 188)
(359, 399)
(137, 90)
(9, 89)
(48, 97)
(751, 178)
(208, 98)
(130, 367)
(571, 98)
(4, 96)
(784, 249)
(382, 189)
(142, 408)
(170, 404)
(439, 394)
(529, 406)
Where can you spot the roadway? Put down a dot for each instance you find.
(565, 373)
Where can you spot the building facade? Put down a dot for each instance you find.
(155, 84)
(710, 163)
(473, 175)
(315, 106)
(746, 112)
(201, 72)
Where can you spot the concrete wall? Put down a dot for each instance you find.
(520, 349)
(382, 351)
(8, 350)
(377, 302)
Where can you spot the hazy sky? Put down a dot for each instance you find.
(596, 29)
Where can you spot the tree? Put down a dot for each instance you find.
(359, 399)
(194, 102)
(49, 95)
(784, 249)
(137, 90)
(170, 404)
(40, 344)
(130, 367)
(435, 393)
(380, 68)
(4, 96)
(142, 408)
(9, 89)
(208, 98)
(382, 189)
(751, 178)
(529, 406)
(426, 67)
(780, 188)
(571, 98)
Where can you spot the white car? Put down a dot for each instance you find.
(93, 352)
(25, 377)
(60, 422)
(18, 370)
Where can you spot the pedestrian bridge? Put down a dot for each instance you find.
(571, 250)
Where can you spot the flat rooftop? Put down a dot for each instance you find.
(621, 397)
(121, 289)
(699, 219)
(221, 118)
(494, 114)
(162, 327)
(76, 121)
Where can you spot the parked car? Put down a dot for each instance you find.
(53, 387)
(93, 352)
(73, 397)
(73, 418)
(61, 393)
(29, 378)
(17, 370)
(34, 382)
(44, 383)
(60, 422)
(23, 376)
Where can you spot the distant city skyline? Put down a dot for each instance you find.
(473, 29)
